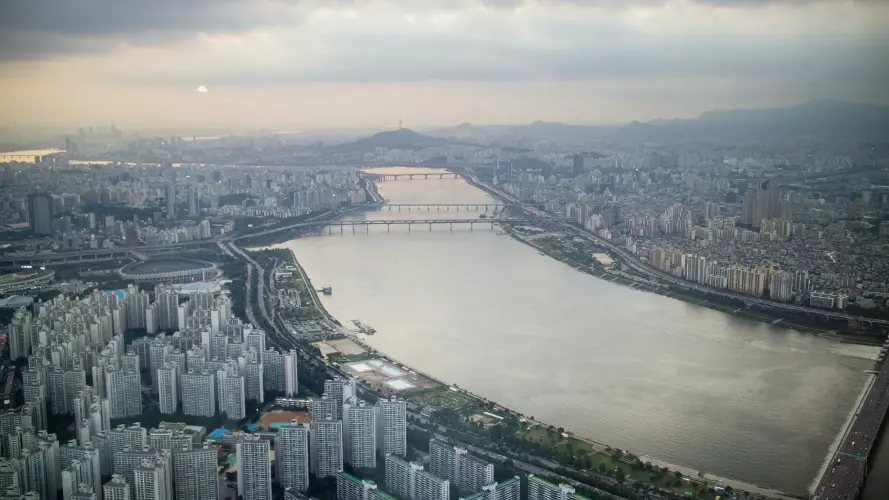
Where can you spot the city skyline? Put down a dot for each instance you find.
(599, 62)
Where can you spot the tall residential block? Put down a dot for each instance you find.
(349, 487)
(116, 489)
(467, 472)
(391, 426)
(199, 393)
(326, 447)
(254, 469)
(359, 434)
(292, 456)
(539, 489)
(194, 473)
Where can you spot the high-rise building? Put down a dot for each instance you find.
(401, 476)
(253, 382)
(151, 481)
(781, 286)
(20, 334)
(232, 390)
(254, 469)
(392, 426)
(124, 390)
(339, 390)
(359, 434)
(322, 408)
(280, 372)
(116, 488)
(199, 393)
(326, 445)
(455, 464)
(428, 486)
(194, 473)
(168, 388)
(292, 456)
(40, 213)
(171, 201)
(194, 204)
(349, 487)
(509, 489)
(577, 162)
(539, 489)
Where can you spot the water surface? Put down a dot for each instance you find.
(651, 374)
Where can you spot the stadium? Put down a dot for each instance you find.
(169, 270)
(186, 289)
(25, 280)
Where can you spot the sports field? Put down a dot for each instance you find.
(269, 420)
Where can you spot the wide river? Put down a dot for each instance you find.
(654, 375)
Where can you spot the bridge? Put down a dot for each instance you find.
(395, 177)
(845, 474)
(428, 207)
(26, 156)
(342, 224)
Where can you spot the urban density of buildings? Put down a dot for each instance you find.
(762, 219)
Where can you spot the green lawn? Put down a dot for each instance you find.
(446, 398)
(539, 434)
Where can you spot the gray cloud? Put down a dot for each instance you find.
(582, 49)
(44, 28)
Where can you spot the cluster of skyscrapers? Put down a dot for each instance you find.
(207, 363)
(448, 465)
(342, 430)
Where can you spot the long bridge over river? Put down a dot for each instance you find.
(411, 177)
(99, 254)
(439, 207)
(366, 223)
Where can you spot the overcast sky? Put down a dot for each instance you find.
(300, 64)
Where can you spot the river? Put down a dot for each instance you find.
(653, 375)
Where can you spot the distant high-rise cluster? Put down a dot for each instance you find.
(764, 203)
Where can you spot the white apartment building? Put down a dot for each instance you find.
(199, 393)
(359, 433)
(194, 473)
(392, 426)
(292, 456)
(326, 447)
(254, 469)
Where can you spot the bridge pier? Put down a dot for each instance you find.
(341, 229)
(388, 227)
(452, 226)
(430, 227)
(367, 228)
(408, 227)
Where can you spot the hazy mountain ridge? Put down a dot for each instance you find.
(393, 139)
(822, 118)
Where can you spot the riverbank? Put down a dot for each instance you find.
(360, 340)
(647, 285)
(791, 319)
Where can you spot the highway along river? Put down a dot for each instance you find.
(653, 375)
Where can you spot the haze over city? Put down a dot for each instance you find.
(610, 250)
(307, 64)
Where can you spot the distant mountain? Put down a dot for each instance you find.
(393, 139)
(824, 119)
